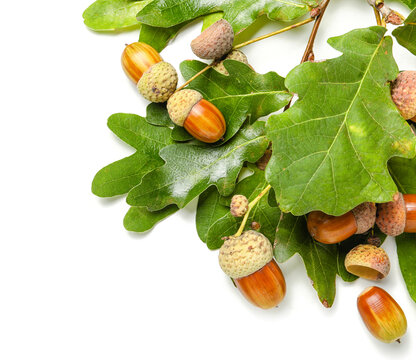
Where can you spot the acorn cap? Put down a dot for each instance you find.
(239, 205)
(233, 55)
(181, 103)
(391, 216)
(403, 93)
(215, 41)
(159, 82)
(365, 216)
(368, 261)
(245, 254)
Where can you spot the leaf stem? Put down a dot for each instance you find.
(294, 26)
(378, 17)
(187, 82)
(250, 207)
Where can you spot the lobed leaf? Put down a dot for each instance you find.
(330, 150)
(119, 177)
(406, 34)
(410, 3)
(214, 220)
(139, 219)
(111, 15)
(243, 93)
(190, 169)
(240, 13)
(158, 37)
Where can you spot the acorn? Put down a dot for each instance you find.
(248, 260)
(329, 229)
(199, 117)
(368, 261)
(159, 82)
(397, 216)
(381, 314)
(137, 58)
(236, 55)
(403, 93)
(215, 41)
(239, 205)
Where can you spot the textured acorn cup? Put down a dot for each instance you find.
(397, 216)
(330, 229)
(236, 55)
(239, 205)
(198, 116)
(215, 41)
(403, 93)
(381, 314)
(159, 82)
(137, 58)
(248, 259)
(368, 261)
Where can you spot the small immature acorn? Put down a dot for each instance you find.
(233, 55)
(215, 41)
(397, 216)
(381, 314)
(329, 229)
(239, 205)
(403, 92)
(199, 117)
(248, 260)
(368, 261)
(137, 58)
(264, 160)
(159, 82)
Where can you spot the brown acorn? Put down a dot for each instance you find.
(403, 92)
(199, 117)
(248, 260)
(382, 315)
(215, 41)
(397, 216)
(330, 229)
(137, 58)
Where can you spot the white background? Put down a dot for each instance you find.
(73, 283)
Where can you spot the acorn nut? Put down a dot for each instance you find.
(215, 41)
(236, 55)
(239, 205)
(403, 92)
(159, 82)
(199, 117)
(368, 261)
(382, 315)
(248, 260)
(329, 229)
(137, 58)
(397, 216)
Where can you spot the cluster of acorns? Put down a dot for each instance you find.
(248, 258)
(157, 80)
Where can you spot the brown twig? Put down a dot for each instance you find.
(309, 47)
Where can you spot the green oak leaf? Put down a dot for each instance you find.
(159, 37)
(330, 150)
(244, 93)
(119, 177)
(240, 13)
(180, 134)
(139, 219)
(404, 173)
(410, 3)
(406, 34)
(214, 220)
(191, 169)
(111, 15)
(156, 114)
